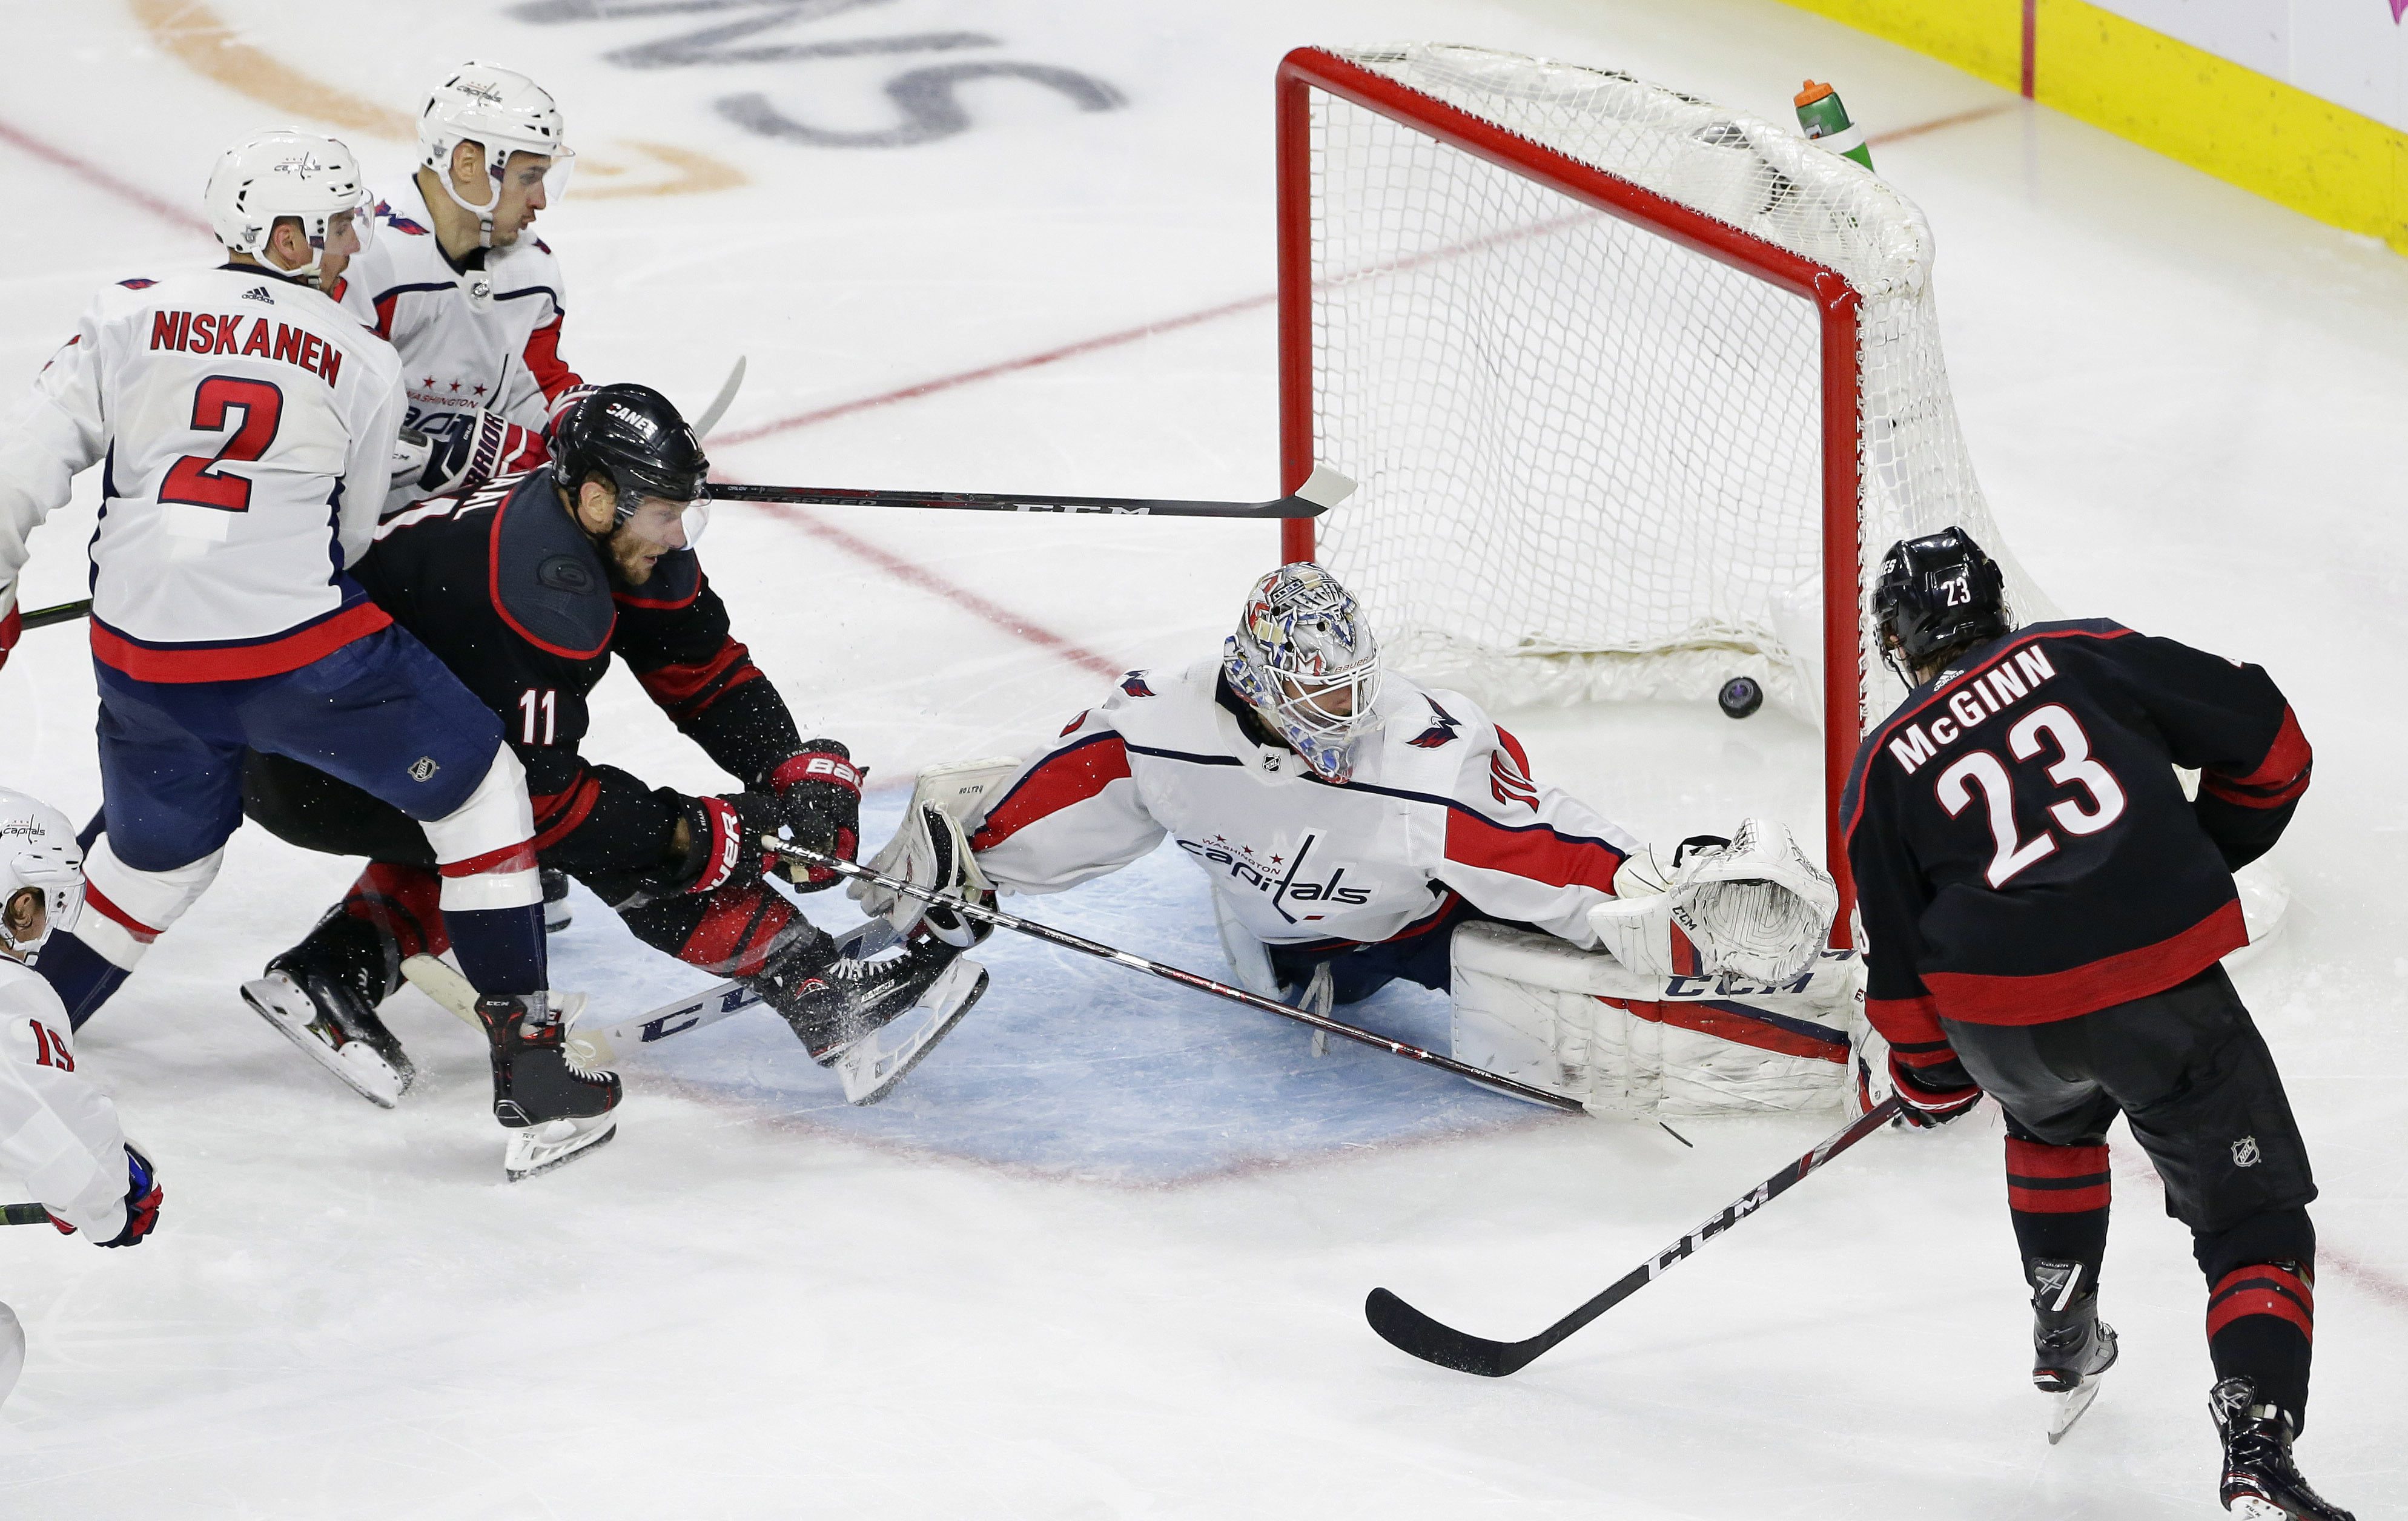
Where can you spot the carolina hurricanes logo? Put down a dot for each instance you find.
(1135, 686)
(1441, 730)
(1506, 784)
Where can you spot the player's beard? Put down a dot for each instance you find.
(631, 558)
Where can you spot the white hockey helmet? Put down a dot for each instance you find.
(38, 851)
(503, 113)
(287, 173)
(1306, 660)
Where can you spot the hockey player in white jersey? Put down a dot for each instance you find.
(59, 1134)
(465, 292)
(247, 424)
(1350, 821)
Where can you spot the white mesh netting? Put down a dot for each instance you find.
(1590, 459)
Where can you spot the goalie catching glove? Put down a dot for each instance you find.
(928, 850)
(1752, 906)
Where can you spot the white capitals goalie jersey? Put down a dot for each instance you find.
(247, 423)
(1441, 807)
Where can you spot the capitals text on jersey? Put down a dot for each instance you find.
(221, 333)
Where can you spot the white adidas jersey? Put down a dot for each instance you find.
(247, 422)
(1440, 803)
(487, 337)
(58, 1133)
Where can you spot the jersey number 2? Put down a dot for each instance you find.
(195, 480)
(1985, 772)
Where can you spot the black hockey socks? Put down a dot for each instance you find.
(2262, 1305)
(2262, 1326)
(2058, 1196)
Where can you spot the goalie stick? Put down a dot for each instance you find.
(69, 611)
(1325, 489)
(1155, 968)
(1408, 1330)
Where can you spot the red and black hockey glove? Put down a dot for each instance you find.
(1932, 1096)
(722, 841)
(819, 801)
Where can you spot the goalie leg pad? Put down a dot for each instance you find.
(1533, 1008)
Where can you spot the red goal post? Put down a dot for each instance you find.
(1449, 218)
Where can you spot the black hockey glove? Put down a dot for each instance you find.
(143, 1197)
(1931, 1097)
(722, 839)
(818, 794)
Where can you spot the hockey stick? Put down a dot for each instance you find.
(24, 1214)
(1155, 968)
(591, 1046)
(1325, 489)
(718, 407)
(1408, 1330)
(64, 612)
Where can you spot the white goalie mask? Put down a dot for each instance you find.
(288, 173)
(37, 853)
(503, 113)
(1306, 661)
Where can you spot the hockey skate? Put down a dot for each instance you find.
(871, 1066)
(557, 915)
(833, 1002)
(2071, 1348)
(552, 1111)
(2260, 1480)
(323, 995)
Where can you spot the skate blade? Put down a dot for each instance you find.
(2251, 1508)
(871, 1066)
(355, 1062)
(2070, 1406)
(554, 1143)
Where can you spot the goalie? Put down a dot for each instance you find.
(1357, 828)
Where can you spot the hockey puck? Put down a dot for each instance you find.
(1740, 696)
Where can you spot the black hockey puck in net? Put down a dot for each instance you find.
(1740, 696)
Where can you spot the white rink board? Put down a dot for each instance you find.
(1069, 1272)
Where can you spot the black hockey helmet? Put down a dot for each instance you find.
(1937, 594)
(633, 435)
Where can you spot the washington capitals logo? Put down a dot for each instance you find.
(1134, 685)
(1442, 729)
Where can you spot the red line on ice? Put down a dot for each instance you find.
(93, 174)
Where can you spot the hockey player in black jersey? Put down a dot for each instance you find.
(525, 588)
(2044, 912)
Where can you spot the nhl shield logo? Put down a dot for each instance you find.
(2245, 1152)
(422, 768)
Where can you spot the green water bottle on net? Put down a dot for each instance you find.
(1826, 122)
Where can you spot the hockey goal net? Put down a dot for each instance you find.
(1636, 390)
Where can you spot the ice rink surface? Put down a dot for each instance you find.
(1104, 1255)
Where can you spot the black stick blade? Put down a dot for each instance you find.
(1408, 1330)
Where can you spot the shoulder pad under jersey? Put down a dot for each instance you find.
(677, 580)
(549, 585)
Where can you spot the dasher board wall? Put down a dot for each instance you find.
(2304, 102)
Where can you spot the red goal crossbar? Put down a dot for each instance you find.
(1836, 301)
